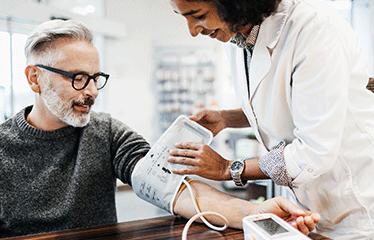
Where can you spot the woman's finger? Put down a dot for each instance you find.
(183, 160)
(188, 145)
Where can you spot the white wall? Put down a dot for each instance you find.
(137, 27)
(134, 29)
(149, 23)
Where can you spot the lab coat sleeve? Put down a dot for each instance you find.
(322, 66)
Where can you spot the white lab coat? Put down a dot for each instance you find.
(307, 87)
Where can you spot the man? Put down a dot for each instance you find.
(300, 77)
(59, 161)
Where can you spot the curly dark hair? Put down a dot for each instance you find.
(239, 13)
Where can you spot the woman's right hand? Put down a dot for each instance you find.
(216, 121)
(210, 119)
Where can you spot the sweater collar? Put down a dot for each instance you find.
(26, 128)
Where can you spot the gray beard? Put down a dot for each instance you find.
(63, 110)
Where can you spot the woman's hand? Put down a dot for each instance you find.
(201, 160)
(216, 121)
(210, 119)
(304, 221)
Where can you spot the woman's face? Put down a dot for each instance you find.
(202, 18)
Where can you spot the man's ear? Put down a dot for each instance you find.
(32, 74)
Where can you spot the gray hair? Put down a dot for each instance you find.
(40, 44)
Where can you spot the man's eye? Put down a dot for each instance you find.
(80, 78)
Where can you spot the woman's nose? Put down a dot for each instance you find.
(194, 28)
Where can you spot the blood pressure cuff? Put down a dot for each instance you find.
(155, 187)
(152, 179)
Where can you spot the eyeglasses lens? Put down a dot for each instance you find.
(80, 81)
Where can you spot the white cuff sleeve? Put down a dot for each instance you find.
(293, 168)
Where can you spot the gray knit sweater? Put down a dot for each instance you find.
(63, 179)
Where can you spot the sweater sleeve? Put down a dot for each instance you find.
(127, 148)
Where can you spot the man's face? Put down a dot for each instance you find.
(202, 18)
(66, 104)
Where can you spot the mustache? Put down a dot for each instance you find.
(89, 101)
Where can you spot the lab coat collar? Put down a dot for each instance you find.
(272, 26)
(268, 38)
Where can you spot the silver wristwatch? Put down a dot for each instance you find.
(236, 170)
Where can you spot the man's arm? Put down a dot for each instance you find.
(235, 209)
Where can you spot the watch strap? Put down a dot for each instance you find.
(239, 182)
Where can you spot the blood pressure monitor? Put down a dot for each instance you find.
(269, 227)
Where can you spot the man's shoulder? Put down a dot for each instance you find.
(9, 132)
(100, 116)
(7, 125)
(100, 120)
(103, 120)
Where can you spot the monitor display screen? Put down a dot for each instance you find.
(270, 226)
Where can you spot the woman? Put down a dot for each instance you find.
(300, 77)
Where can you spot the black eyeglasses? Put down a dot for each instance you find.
(80, 80)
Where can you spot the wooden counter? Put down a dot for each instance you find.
(168, 227)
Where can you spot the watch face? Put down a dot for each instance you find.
(236, 165)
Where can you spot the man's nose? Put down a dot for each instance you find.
(91, 89)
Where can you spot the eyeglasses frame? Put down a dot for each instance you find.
(73, 75)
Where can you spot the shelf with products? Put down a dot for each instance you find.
(184, 80)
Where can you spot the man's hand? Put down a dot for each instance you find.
(304, 221)
(235, 209)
